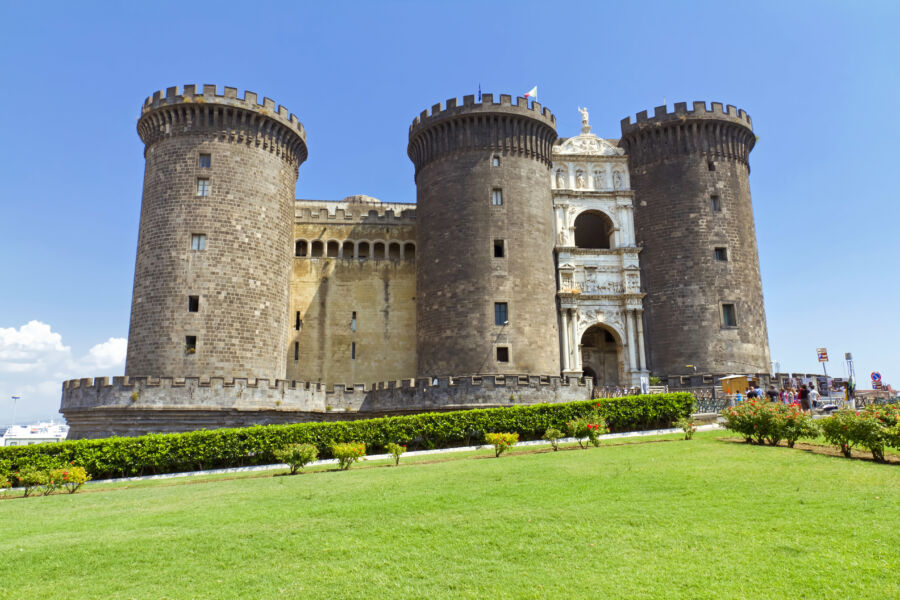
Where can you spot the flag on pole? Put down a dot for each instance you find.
(479, 92)
(532, 93)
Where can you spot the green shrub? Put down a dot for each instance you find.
(757, 420)
(687, 426)
(224, 448)
(553, 435)
(395, 450)
(840, 430)
(72, 478)
(297, 456)
(32, 480)
(586, 430)
(501, 441)
(348, 453)
(796, 424)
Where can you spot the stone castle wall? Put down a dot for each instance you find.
(136, 406)
(463, 154)
(679, 161)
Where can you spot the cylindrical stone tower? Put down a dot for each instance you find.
(694, 218)
(215, 242)
(486, 291)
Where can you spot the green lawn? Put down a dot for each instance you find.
(704, 518)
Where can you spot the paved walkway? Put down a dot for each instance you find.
(332, 461)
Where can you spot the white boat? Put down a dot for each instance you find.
(26, 435)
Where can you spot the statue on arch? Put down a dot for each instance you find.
(585, 126)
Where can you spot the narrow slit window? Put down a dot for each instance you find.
(721, 254)
(729, 316)
(190, 344)
(298, 322)
(502, 354)
(498, 249)
(501, 313)
(193, 303)
(205, 161)
(352, 350)
(203, 187)
(714, 203)
(497, 197)
(296, 350)
(198, 241)
(353, 322)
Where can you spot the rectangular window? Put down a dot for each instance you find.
(501, 315)
(497, 197)
(711, 165)
(298, 323)
(205, 161)
(353, 322)
(498, 249)
(722, 254)
(203, 187)
(193, 303)
(353, 350)
(198, 241)
(190, 344)
(714, 204)
(503, 354)
(495, 161)
(296, 350)
(729, 316)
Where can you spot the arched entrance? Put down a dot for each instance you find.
(593, 229)
(601, 355)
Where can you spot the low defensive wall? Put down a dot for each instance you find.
(131, 406)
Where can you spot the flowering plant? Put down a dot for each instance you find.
(396, 450)
(587, 430)
(297, 456)
(501, 441)
(552, 435)
(687, 425)
(348, 453)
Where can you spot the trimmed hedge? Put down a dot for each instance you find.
(222, 448)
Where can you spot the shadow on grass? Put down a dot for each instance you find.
(821, 449)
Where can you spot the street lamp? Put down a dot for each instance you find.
(14, 399)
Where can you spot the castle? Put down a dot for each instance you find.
(530, 269)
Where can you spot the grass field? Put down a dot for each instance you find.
(664, 518)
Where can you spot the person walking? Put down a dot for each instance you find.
(803, 397)
(813, 397)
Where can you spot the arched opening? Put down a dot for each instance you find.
(300, 248)
(409, 251)
(316, 249)
(334, 249)
(593, 229)
(362, 250)
(378, 251)
(601, 356)
(394, 251)
(347, 250)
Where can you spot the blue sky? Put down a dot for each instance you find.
(818, 78)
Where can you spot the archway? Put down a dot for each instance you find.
(593, 229)
(601, 355)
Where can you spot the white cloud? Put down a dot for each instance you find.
(34, 362)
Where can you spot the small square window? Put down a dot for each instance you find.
(721, 254)
(711, 165)
(501, 314)
(190, 344)
(714, 203)
(495, 161)
(502, 354)
(729, 316)
(198, 241)
(205, 161)
(193, 303)
(203, 187)
(498, 249)
(497, 197)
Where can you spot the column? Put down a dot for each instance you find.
(629, 333)
(564, 330)
(642, 359)
(576, 344)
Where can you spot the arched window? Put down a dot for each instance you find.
(347, 251)
(409, 251)
(300, 248)
(316, 249)
(378, 251)
(334, 249)
(394, 251)
(593, 230)
(362, 250)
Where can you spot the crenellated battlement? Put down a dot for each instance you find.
(661, 115)
(452, 108)
(353, 210)
(226, 116)
(94, 406)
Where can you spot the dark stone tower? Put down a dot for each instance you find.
(485, 238)
(694, 218)
(215, 242)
